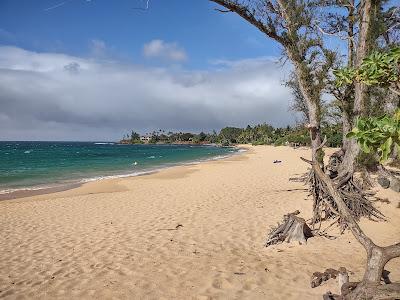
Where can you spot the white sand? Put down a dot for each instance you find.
(107, 239)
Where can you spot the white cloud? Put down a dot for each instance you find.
(167, 51)
(47, 96)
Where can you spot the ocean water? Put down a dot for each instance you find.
(34, 165)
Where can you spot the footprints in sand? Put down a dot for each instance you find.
(113, 244)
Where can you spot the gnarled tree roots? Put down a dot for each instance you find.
(365, 291)
(377, 257)
(324, 206)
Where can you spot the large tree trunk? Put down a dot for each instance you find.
(346, 122)
(314, 129)
(315, 133)
(348, 93)
(351, 148)
(313, 104)
(311, 95)
(346, 168)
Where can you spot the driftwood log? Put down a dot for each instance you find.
(293, 228)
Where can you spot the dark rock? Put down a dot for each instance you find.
(395, 185)
(384, 182)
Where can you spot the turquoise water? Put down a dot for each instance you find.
(43, 164)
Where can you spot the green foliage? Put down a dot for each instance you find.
(345, 76)
(135, 137)
(302, 138)
(378, 134)
(261, 134)
(379, 68)
(298, 136)
(334, 135)
(230, 135)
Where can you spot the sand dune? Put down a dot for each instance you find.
(118, 239)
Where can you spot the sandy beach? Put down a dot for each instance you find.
(188, 232)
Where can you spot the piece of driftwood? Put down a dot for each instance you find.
(293, 228)
(317, 278)
(169, 229)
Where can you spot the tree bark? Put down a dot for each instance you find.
(360, 89)
(348, 93)
(346, 123)
(315, 132)
(376, 261)
(312, 104)
(363, 48)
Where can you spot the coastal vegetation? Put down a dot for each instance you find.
(260, 134)
(363, 87)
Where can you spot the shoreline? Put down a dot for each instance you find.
(23, 192)
(27, 192)
(187, 232)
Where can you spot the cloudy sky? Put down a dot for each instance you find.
(91, 70)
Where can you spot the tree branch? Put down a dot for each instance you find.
(243, 11)
(322, 144)
(392, 251)
(336, 34)
(222, 10)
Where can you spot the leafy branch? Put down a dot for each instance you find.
(379, 68)
(378, 134)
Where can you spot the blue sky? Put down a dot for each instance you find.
(94, 70)
(194, 25)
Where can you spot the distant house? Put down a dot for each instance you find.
(145, 138)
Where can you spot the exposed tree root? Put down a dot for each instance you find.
(360, 290)
(377, 257)
(324, 206)
(301, 178)
(373, 292)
